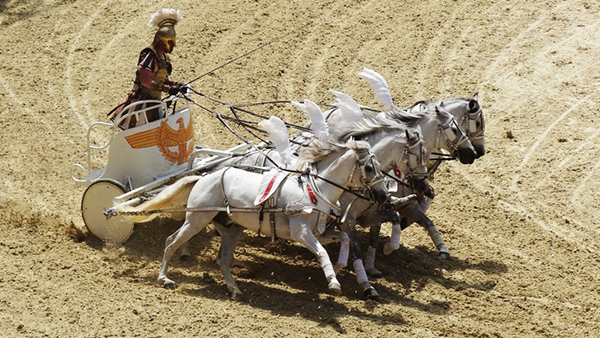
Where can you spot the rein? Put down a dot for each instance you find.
(234, 108)
(222, 117)
(112, 212)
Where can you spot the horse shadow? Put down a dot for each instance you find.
(421, 265)
(285, 278)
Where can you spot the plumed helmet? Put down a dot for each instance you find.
(164, 21)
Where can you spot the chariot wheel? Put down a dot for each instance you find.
(96, 199)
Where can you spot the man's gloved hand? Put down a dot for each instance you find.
(173, 90)
(177, 88)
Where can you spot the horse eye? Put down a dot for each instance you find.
(369, 168)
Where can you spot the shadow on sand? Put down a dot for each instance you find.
(285, 279)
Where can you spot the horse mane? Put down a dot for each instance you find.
(317, 149)
(410, 116)
(369, 124)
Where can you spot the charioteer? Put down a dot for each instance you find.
(154, 68)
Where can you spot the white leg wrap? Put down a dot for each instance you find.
(394, 243)
(370, 258)
(359, 269)
(328, 270)
(425, 203)
(344, 252)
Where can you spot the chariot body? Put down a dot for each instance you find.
(142, 160)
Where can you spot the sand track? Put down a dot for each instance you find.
(521, 223)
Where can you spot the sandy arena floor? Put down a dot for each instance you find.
(521, 223)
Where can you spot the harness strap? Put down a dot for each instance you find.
(227, 206)
(313, 184)
(112, 212)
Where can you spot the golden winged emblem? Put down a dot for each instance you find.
(164, 137)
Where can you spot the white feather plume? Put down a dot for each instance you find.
(379, 85)
(164, 14)
(315, 114)
(279, 136)
(351, 111)
(348, 112)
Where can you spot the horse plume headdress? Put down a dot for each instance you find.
(379, 85)
(279, 136)
(314, 113)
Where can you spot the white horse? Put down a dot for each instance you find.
(469, 116)
(302, 203)
(438, 130)
(397, 147)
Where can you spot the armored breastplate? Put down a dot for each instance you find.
(160, 71)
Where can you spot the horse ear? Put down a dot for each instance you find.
(440, 108)
(473, 104)
(476, 96)
(411, 137)
(351, 143)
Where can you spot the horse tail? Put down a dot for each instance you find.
(173, 196)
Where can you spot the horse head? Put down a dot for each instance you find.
(371, 178)
(469, 114)
(453, 137)
(416, 160)
(476, 125)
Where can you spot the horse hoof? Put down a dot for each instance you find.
(444, 255)
(388, 249)
(237, 296)
(371, 294)
(169, 284)
(338, 267)
(374, 273)
(335, 288)
(185, 258)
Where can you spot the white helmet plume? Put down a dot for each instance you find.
(165, 14)
(315, 114)
(279, 136)
(379, 85)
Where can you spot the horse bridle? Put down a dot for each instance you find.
(361, 164)
(449, 130)
(359, 192)
(476, 125)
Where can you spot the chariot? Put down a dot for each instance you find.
(142, 160)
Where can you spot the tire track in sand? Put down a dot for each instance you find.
(69, 86)
(502, 64)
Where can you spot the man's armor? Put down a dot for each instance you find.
(161, 70)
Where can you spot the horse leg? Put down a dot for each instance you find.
(372, 250)
(369, 291)
(302, 233)
(194, 223)
(435, 236)
(230, 235)
(337, 237)
(394, 243)
(185, 252)
(349, 227)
